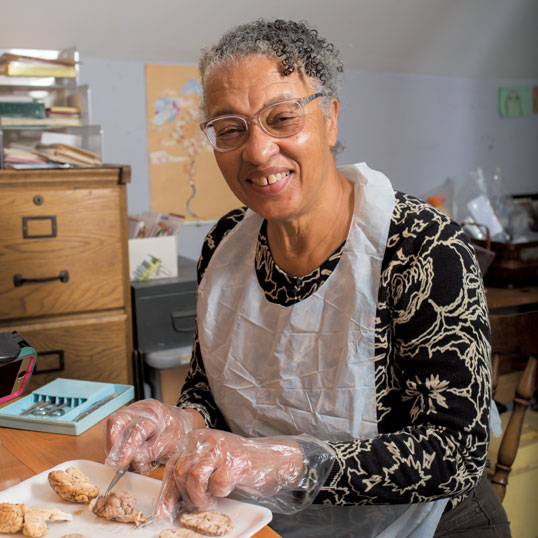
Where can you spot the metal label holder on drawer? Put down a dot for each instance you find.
(78, 404)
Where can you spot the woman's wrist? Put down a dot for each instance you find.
(197, 418)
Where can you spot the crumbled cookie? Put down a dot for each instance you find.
(51, 514)
(73, 485)
(30, 520)
(179, 533)
(207, 522)
(11, 517)
(117, 506)
(35, 523)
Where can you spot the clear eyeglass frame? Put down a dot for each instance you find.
(247, 120)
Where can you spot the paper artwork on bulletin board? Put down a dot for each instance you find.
(184, 177)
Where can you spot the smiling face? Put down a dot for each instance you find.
(281, 179)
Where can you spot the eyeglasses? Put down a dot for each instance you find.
(282, 119)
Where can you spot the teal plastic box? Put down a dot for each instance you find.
(79, 396)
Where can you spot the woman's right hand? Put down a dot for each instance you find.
(145, 434)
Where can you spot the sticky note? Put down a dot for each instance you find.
(514, 102)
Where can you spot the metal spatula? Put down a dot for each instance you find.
(119, 473)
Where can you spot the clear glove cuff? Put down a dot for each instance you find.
(318, 460)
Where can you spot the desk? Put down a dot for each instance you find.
(26, 453)
(511, 300)
(502, 302)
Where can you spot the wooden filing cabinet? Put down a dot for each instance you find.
(64, 270)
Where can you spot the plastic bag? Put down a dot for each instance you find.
(484, 201)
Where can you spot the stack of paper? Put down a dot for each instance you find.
(17, 155)
(64, 153)
(21, 155)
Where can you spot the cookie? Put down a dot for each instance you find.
(73, 485)
(179, 533)
(117, 506)
(11, 517)
(207, 522)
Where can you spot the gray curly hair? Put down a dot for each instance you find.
(297, 47)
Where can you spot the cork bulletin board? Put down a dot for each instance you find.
(184, 177)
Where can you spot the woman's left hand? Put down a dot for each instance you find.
(212, 463)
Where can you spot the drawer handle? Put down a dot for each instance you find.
(183, 322)
(19, 280)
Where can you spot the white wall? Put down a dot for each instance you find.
(418, 130)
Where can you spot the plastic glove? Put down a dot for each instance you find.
(212, 463)
(145, 434)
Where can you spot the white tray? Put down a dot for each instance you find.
(36, 491)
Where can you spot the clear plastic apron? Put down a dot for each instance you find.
(308, 368)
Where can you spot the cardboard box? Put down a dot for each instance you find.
(151, 258)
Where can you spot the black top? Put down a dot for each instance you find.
(432, 362)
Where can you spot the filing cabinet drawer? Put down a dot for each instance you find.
(60, 250)
(165, 310)
(93, 348)
(166, 321)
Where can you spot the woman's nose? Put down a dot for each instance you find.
(259, 146)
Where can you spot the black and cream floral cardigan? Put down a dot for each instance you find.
(432, 362)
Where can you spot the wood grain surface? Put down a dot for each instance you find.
(94, 348)
(511, 297)
(86, 244)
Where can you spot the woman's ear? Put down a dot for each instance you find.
(332, 122)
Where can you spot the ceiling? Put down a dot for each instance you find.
(457, 38)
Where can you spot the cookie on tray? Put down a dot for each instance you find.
(11, 517)
(119, 506)
(207, 522)
(73, 485)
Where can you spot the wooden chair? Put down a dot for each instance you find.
(513, 334)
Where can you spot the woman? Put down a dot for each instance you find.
(340, 371)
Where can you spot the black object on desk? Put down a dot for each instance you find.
(164, 314)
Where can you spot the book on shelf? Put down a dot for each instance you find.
(64, 109)
(17, 65)
(7, 121)
(20, 109)
(63, 112)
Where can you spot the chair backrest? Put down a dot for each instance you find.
(513, 334)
